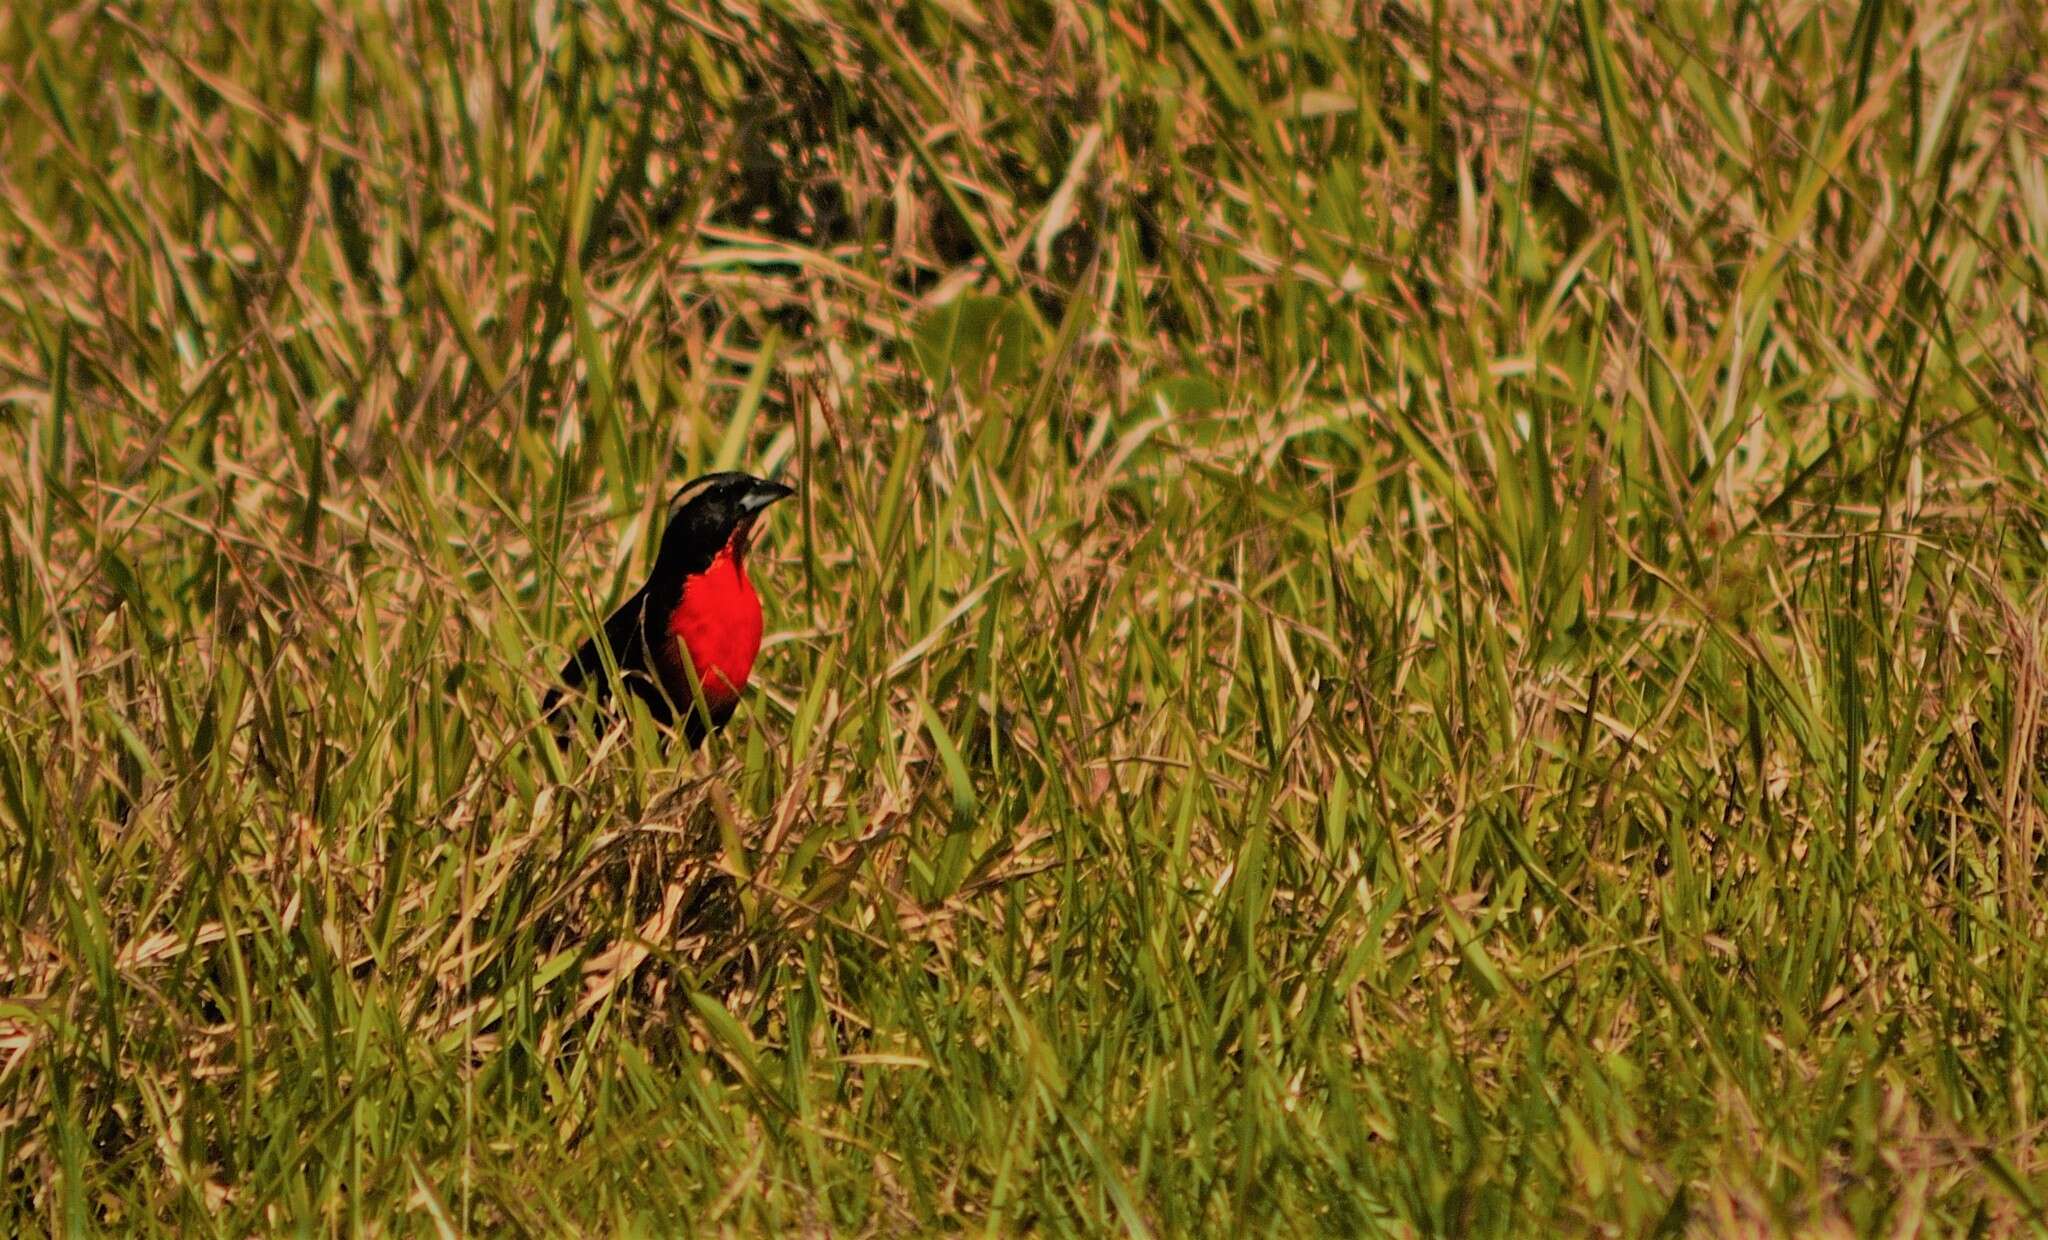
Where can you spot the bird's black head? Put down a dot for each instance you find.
(712, 512)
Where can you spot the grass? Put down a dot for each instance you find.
(1403, 619)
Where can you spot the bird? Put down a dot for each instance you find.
(685, 642)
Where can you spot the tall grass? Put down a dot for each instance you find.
(1421, 619)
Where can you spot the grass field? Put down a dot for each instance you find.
(1402, 619)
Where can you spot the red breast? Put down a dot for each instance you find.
(719, 622)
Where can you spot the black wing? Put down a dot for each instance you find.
(626, 633)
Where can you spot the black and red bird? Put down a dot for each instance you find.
(696, 624)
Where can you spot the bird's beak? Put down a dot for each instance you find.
(763, 493)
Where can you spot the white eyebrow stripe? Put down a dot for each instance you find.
(688, 493)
